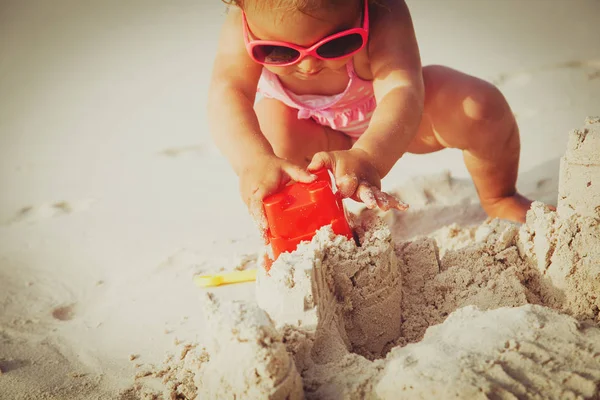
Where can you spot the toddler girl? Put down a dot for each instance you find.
(342, 87)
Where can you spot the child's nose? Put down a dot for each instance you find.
(309, 64)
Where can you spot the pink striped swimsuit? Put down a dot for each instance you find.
(348, 112)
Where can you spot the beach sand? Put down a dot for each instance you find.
(493, 310)
(113, 197)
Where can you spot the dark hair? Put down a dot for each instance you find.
(300, 5)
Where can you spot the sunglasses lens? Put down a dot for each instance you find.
(274, 54)
(341, 46)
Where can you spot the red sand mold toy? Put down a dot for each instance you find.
(296, 213)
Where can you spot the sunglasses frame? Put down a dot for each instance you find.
(308, 51)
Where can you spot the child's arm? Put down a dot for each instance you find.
(234, 125)
(398, 85)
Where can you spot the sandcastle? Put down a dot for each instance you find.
(492, 311)
(579, 185)
(366, 280)
(565, 245)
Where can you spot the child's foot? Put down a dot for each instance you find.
(512, 208)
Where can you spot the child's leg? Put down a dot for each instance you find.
(470, 114)
(294, 139)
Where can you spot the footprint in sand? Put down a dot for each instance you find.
(173, 152)
(544, 183)
(64, 313)
(7, 365)
(514, 78)
(32, 214)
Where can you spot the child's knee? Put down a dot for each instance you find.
(485, 104)
(489, 121)
(491, 125)
(461, 99)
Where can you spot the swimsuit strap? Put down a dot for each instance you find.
(350, 68)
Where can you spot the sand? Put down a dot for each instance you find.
(494, 310)
(113, 196)
(366, 280)
(526, 352)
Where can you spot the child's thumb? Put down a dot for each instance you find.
(299, 175)
(321, 160)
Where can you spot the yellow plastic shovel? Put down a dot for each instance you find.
(225, 278)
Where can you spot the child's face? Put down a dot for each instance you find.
(303, 30)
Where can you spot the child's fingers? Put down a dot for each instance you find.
(298, 174)
(386, 201)
(347, 185)
(365, 193)
(383, 202)
(321, 160)
(400, 205)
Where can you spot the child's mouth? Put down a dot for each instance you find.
(308, 74)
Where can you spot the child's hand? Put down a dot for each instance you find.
(356, 177)
(265, 176)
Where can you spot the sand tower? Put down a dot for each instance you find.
(579, 182)
(567, 242)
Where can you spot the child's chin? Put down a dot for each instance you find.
(304, 76)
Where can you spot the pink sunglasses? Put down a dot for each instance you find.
(334, 47)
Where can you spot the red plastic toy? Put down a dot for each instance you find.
(296, 213)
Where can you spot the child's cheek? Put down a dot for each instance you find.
(337, 64)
